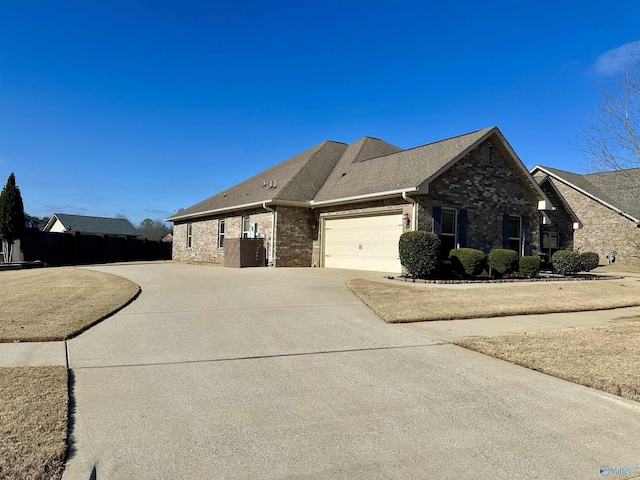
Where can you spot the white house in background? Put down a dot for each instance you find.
(63, 222)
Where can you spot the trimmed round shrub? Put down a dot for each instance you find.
(589, 261)
(419, 252)
(467, 261)
(566, 262)
(529, 266)
(503, 261)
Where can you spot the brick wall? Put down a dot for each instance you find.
(204, 244)
(488, 187)
(561, 222)
(296, 230)
(603, 229)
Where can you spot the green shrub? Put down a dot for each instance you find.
(566, 262)
(589, 261)
(419, 252)
(467, 261)
(529, 266)
(503, 261)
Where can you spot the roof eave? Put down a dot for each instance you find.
(367, 196)
(591, 196)
(207, 213)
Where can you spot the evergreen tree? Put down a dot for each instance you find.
(11, 216)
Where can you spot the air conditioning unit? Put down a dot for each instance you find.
(253, 230)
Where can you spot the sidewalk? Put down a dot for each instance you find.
(36, 354)
(33, 354)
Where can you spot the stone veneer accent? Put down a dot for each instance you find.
(603, 229)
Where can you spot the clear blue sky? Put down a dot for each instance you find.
(142, 107)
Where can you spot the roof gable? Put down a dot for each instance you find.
(94, 225)
(403, 169)
(334, 172)
(618, 190)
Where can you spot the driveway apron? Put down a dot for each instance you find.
(283, 373)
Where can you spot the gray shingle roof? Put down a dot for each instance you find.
(620, 189)
(403, 169)
(622, 186)
(295, 179)
(97, 225)
(332, 171)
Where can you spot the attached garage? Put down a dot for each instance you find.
(363, 243)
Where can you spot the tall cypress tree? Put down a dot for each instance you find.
(11, 216)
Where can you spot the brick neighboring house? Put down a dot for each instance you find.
(606, 204)
(345, 205)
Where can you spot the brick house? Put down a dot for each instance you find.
(345, 205)
(606, 205)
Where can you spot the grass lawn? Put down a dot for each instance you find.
(397, 302)
(46, 304)
(606, 357)
(33, 430)
(56, 303)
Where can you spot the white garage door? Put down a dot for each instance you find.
(363, 243)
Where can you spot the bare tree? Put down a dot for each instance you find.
(611, 138)
(153, 229)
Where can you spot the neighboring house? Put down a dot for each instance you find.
(168, 238)
(607, 206)
(63, 222)
(345, 206)
(33, 222)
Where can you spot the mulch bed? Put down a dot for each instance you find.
(546, 278)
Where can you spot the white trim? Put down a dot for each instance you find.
(358, 198)
(285, 203)
(414, 211)
(577, 224)
(584, 192)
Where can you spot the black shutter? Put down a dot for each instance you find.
(462, 227)
(437, 220)
(505, 230)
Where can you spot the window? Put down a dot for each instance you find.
(448, 231)
(220, 233)
(515, 234)
(189, 235)
(246, 227)
(551, 240)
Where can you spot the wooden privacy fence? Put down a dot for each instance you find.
(78, 249)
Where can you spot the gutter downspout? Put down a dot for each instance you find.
(273, 226)
(414, 213)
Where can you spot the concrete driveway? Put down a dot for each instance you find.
(283, 373)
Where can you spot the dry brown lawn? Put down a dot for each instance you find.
(617, 269)
(606, 357)
(33, 429)
(408, 302)
(56, 303)
(38, 305)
